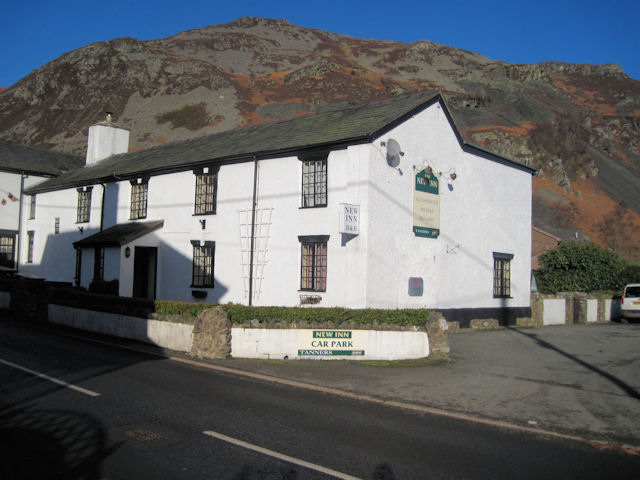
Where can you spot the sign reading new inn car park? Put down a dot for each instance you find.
(330, 343)
(426, 204)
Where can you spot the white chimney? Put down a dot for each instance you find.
(106, 139)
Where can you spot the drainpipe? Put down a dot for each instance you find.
(104, 190)
(253, 227)
(22, 177)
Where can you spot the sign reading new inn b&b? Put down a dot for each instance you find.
(330, 343)
(426, 205)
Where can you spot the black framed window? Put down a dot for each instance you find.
(84, 204)
(56, 226)
(203, 263)
(502, 275)
(206, 190)
(313, 262)
(30, 241)
(139, 194)
(98, 264)
(32, 207)
(7, 249)
(314, 180)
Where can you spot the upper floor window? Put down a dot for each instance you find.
(314, 180)
(502, 274)
(313, 263)
(84, 204)
(206, 189)
(56, 226)
(139, 193)
(32, 207)
(203, 262)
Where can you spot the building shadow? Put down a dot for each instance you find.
(628, 389)
(37, 444)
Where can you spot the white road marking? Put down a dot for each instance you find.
(51, 379)
(280, 456)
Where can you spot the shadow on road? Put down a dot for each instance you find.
(37, 444)
(628, 389)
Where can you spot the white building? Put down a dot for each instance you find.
(381, 205)
(20, 168)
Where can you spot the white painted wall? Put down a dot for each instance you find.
(487, 210)
(10, 186)
(281, 343)
(57, 250)
(554, 311)
(105, 140)
(176, 336)
(592, 310)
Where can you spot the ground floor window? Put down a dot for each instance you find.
(313, 262)
(7, 249)
(502, 274)
(98, 264)
(78, 274)
(203, 262)
(30, 237)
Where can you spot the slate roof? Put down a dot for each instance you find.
(119, 235)
(18, 158)
(332, 129)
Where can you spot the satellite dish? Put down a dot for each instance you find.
(393, 153)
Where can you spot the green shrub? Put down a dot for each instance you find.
(630, 274)
(297, 315)
(184, 309)
(580, 267)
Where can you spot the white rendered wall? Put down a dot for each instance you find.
(104, 141)
(281, 343)
(592, 310)
(486, 210)
(554, 311)
(10, 184)
(53, 254)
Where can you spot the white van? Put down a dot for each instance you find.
(630, 303)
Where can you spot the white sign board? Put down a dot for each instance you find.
(349, 219)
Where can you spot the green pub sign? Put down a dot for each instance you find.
(426, 204)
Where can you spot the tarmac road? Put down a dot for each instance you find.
(127, 414)
(581, 380)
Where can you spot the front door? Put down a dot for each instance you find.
(144, 272)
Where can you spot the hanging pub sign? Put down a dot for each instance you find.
(426, 204)
(349, 218)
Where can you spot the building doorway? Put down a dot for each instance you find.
(144, 272)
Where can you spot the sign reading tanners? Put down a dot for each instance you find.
(426, 204)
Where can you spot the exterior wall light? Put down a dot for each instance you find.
(127, 252)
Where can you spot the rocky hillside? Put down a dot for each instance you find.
(578, 124)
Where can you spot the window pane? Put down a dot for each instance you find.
(139, 193)
(203, 266)
(313, 275)
(314, 183)
(205, 201)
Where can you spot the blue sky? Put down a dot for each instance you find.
(33, 32)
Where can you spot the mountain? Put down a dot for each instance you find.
(578, 124)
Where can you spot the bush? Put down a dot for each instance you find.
(580, 267)
(297, 315)
(630, 274)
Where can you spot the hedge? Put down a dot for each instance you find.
(240, 314)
